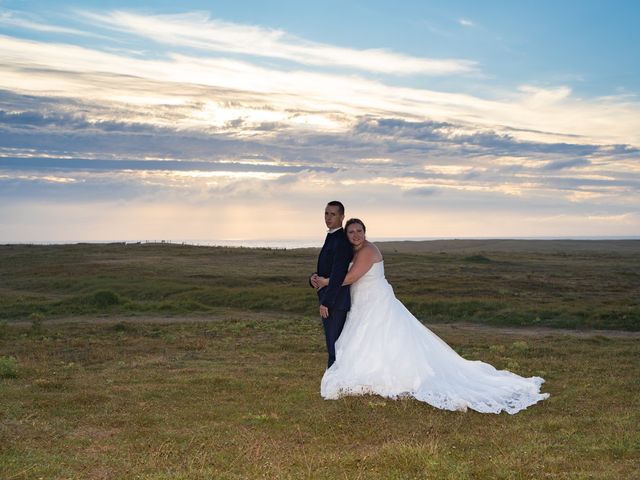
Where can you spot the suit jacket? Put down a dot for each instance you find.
(333, 262)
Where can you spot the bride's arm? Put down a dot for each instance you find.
(361, 265)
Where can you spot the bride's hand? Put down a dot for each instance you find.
(321, 282)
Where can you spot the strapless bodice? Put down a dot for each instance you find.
(370, 284)
(376, 271)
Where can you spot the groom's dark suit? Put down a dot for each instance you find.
(333, 262)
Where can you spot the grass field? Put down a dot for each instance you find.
(560, 284)
(179, 362)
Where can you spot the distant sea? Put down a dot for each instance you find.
(303, 242)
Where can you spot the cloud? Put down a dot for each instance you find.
(80, 164)
(195, 128)
(11, 19)
(422, 192)
(198, 30)
(432, 134)
(562, 164)
(540, 97)
(408, 155)
(204, 92)
(466, 23)
(38, 119)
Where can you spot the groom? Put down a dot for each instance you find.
(333, 262)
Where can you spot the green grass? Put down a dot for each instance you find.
(506, 283)
(239, 398)
(180, 362)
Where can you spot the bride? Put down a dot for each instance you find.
(385, 350)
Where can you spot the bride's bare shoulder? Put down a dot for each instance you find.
(373, 252)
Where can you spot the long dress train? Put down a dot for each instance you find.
(385, 350)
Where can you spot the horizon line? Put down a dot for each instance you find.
(312, 242)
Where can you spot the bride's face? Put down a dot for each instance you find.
(355, 234)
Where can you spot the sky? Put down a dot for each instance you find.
(218, 120)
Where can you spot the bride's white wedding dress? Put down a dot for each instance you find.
(385, 350)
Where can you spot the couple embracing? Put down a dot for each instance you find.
(376, 346)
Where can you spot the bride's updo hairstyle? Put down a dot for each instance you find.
(355, 220)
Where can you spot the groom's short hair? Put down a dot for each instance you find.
(336, 203)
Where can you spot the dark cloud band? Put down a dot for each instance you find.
(79, 164)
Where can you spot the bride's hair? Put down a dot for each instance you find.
(355, 220)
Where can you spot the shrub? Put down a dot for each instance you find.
(513, 365)
(8, 367)
(123, 327)
(105, 298)
(519, 346)
(477, 259)
(36, 321)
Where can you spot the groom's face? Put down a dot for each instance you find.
(332, 217)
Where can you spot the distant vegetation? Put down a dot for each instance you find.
(567, 284)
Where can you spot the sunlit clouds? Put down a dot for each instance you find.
(190, 126)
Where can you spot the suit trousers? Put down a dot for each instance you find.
(333, 326)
